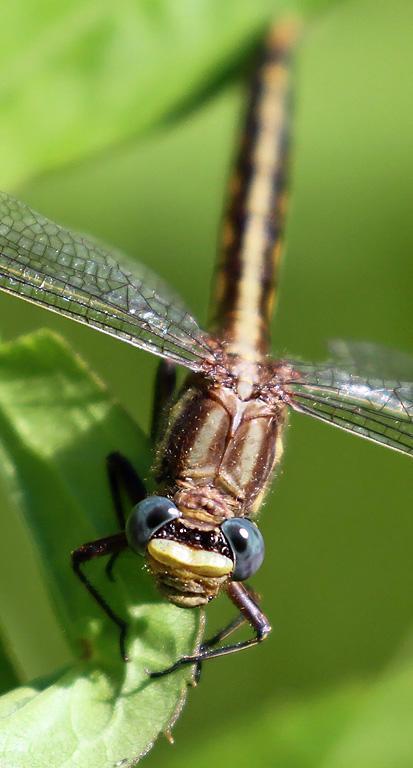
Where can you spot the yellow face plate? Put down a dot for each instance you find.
(199, 561)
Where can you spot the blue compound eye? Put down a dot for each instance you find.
(247, 546)
(146, 518)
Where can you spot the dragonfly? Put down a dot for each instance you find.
(219, 436)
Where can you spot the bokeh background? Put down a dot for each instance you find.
(337, 581)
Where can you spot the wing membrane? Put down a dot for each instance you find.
(367, 405)
(367, 359)
(77, 277)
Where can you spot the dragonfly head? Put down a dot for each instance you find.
(190, 560)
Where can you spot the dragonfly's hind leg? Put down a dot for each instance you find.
(122, 477)
(110, 545)
(165, 382)
(250, 612)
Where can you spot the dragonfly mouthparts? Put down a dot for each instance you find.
(198, 561)
(190, 563)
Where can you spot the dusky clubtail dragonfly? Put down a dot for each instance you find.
(220, 438)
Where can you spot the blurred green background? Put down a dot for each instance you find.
(337, 581)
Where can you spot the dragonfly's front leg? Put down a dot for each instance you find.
(223, 633)
(122, 477)
(250, 612)
(110, 545)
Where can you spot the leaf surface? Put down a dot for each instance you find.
(57, 424)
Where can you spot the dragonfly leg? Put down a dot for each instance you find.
(215, 640)
(109, 545)
(122, 475)
(250, 611)
(165, 382)
(224, 632)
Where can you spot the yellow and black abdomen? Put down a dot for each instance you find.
(248, 265)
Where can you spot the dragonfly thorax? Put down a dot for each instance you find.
(218, 451)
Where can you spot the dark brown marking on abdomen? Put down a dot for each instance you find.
(248, 264)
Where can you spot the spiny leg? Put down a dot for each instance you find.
(249, 611)
(110, 545)
(122, 475)
(165, 382)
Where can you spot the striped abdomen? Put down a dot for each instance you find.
(251, 242)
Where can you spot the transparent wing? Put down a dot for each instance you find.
(377, 408)
(77, 277)
(365, 358)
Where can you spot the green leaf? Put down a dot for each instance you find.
(57, 424)
(93, 714)
(8, 677)
(81, 75)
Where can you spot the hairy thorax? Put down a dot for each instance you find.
(219, 446)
